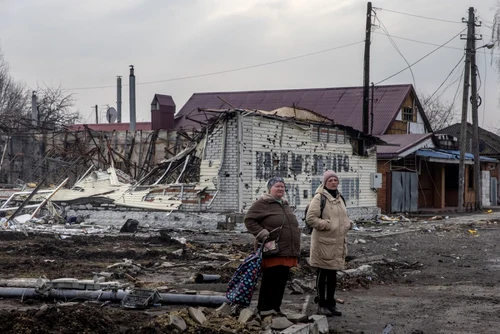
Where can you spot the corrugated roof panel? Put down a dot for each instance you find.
(344, 105)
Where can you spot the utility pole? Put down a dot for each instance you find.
(465, 102)
(96, 114)
(366, 68)
(475, 122)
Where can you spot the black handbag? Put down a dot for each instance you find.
(271, 247)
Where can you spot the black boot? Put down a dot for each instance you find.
(323, 308)
(332, 307)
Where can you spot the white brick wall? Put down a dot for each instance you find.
(271, 147)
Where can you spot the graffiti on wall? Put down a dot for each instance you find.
(276, 164)
(270, 164)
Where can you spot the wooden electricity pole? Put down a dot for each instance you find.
(366, 68)
(465, 103)
(475, 122)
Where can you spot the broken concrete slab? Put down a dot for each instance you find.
(177, 323)
(321, 321)
(197, 315)
(297, 329)
(280, 323)
(245, 315)
(296, 289)
(297, 317)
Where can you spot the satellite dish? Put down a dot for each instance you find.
(111, 115)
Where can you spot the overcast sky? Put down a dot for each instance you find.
(83, 44)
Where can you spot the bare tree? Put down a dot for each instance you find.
(13, 100)
(440, 114)
(55, 108)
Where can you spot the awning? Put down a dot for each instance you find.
(450, 156)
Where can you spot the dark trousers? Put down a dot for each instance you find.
(326, 282)
(272, 288)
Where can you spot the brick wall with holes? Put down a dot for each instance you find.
(226, 199)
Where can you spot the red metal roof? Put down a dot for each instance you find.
(165, 100)
(343, 105)
(398, 144)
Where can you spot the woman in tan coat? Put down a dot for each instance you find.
(328, 240)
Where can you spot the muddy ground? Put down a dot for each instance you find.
(427, 277)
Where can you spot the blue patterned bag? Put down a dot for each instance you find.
(242, 285)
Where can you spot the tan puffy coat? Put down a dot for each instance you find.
(328, 239)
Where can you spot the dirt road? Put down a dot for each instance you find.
(425, 277)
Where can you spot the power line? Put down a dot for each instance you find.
(459, 78)
(422, 58)
(419, 16)
(426, 43)
(382, 25)
(447, 77)
(225, 71)
(458, 88)
(421, 42)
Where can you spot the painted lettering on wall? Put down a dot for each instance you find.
(277, 164)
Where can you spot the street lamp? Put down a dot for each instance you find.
(489, 46)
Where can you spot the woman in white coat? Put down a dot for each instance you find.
(328, 240)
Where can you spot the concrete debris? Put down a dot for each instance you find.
(253, 324)
(363, 270)
(297, 317)
(178, 252)
(245, 315)
(177, 323)
(301, 329)
(225, 308)
(321, 321)
(197, 315)
(41, 310)
(296, 288)
(280, 323)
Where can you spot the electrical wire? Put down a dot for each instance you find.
(447, 77)
(458, 88)
(422, 58)
(419, 16)
(438, 96)
(426, 43)
(483, 20)
(225, 71)
(421, 42)
(382, 25)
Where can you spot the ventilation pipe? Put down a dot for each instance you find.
(132, 98)
(34, 109)
(119, 99)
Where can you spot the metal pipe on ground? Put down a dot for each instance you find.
(113, 296)
(204, 278)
